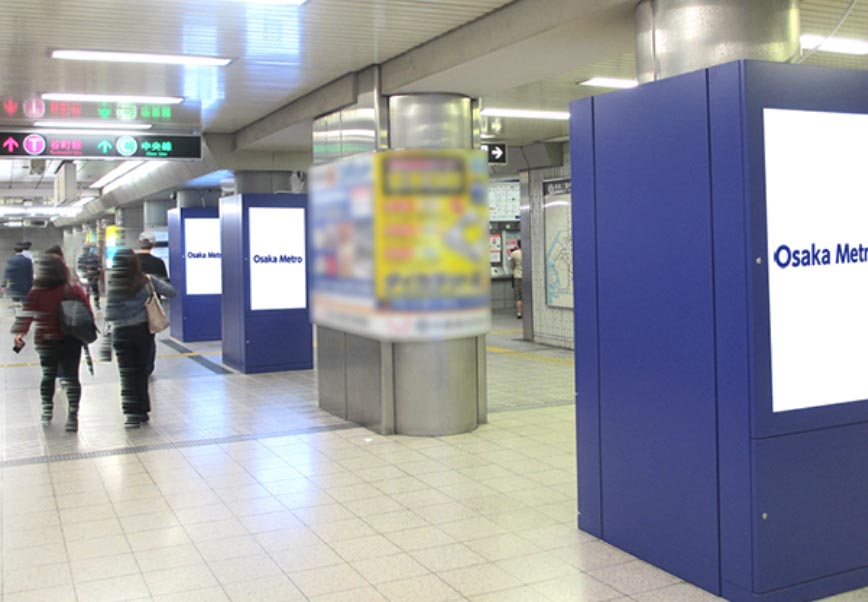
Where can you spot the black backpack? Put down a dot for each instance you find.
(76, 320)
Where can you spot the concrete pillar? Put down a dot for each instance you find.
(268, 182)
(197, 197)
(678, 36)
(156, 214)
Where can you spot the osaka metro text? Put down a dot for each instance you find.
(787, 257)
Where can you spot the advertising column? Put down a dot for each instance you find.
(195, 267)
(266, 327)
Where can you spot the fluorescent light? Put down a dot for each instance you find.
(487, 136)
(83, 201)
(610, 82)
(39, 211)
(286, 2)
(160, 100)
(79, 132)
(140, 57)
(123, 169)
(525, 114)
(139, 171)
(811, 41)
(69, 123)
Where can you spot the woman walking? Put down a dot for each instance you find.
(128, 289)
(56, 350)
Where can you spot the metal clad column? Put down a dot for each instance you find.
(679, 36)
(437, 383)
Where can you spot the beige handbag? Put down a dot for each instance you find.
(158, 321)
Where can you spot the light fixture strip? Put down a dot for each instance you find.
(141, 57)
(70, 97)
(525, 114)
(123, 169)
(72, 124)
(812, 41)
(610, 82)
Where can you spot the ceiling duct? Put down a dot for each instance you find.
(65, 183)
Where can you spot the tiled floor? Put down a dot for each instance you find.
(213, 503)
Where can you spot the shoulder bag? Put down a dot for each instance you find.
(158, 321)
(75, 319)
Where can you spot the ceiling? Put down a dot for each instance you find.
(282, 53)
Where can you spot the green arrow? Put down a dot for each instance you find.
(104, 146)
(104, 111)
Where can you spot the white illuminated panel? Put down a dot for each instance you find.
(817, 212)
(278, 261)
(202, 256)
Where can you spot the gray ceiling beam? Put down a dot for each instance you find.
(336, 95)
(524, 42)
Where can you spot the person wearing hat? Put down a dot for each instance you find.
(151, 266)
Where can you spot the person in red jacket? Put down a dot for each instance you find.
(42, 306)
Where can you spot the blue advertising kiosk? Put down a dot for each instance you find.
(195, 267)
(721, 300)
(266, 323)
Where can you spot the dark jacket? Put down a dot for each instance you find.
(89, 266)
(43, 306)
(153, 266)
(18, 275)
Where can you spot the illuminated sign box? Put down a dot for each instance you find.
(99, 146)
(278, 258)
(816, 186)
(202, 257)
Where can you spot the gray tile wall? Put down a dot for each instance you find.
(552, 325)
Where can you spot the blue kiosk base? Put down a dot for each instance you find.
(194, 316)
(687, 458)
(266, 323)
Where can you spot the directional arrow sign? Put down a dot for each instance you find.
(10, 106)
(10, 144)
(104, 111)
(496, 153)
(104, 146)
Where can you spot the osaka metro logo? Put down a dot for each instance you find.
(844, 253)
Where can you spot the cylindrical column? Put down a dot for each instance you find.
(430, 121)
(437, 384)
(678, 36)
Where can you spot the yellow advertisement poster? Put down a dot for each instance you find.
(431, 228)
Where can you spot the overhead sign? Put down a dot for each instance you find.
(817, 257)
(496, 153)
(98, 146)
(278, 258)
(22, 111)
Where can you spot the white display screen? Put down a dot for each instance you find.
(203, 257)
(817, 214)
(278, 261)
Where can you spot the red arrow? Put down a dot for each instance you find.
(11, 105)
(10, 144)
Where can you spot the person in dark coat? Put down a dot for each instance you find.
(90, 270)
(151, 266)
(55, 348)
(18, 275)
